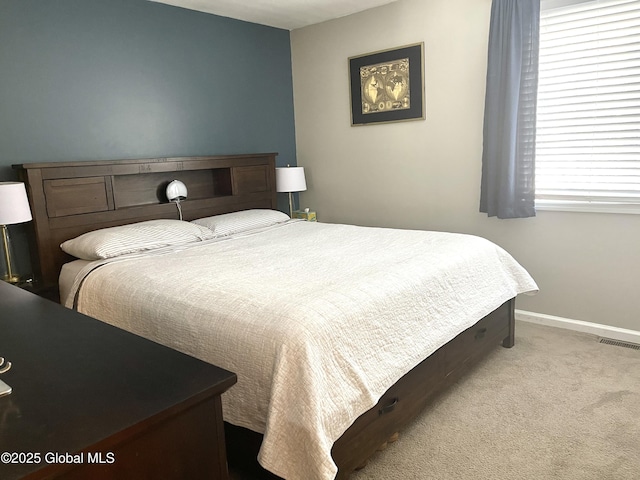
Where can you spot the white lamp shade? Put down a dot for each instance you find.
(176, 190)
(14, 205)
(290, 179)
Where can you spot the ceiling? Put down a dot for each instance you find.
(286, 14)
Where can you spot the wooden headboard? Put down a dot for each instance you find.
(71, 198)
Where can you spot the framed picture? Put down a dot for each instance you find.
(387, 86)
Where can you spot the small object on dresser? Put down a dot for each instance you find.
(305, 214)
(4, 367)
(4, 389)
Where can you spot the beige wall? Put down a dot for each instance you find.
(426, 174)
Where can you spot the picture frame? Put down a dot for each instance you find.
(387, 86)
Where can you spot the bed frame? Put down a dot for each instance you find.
(71, 198)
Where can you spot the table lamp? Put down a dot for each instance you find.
(290, 179)
(14, 208)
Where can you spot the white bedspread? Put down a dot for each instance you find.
(317, 320)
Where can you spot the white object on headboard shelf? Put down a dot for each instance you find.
(176, 192)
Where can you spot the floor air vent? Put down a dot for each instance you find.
(618, 343)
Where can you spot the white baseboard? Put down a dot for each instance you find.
(621, 334)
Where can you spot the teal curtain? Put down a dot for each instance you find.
(508, 156)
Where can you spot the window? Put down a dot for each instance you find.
(588, 116)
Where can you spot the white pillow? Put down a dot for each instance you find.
(237, 222)
(135, 237)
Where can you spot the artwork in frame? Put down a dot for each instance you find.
(387, 86)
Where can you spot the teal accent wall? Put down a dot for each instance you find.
(107, 79)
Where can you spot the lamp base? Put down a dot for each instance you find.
(11, 279)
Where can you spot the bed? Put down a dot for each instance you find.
(329, 365)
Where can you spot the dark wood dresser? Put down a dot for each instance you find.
(93, 401)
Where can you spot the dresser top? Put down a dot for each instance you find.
(77, 381)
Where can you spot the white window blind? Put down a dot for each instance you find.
(588, 116)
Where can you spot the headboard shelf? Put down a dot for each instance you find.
(144, 165)
(71, 198)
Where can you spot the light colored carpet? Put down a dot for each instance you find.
(559, 405)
